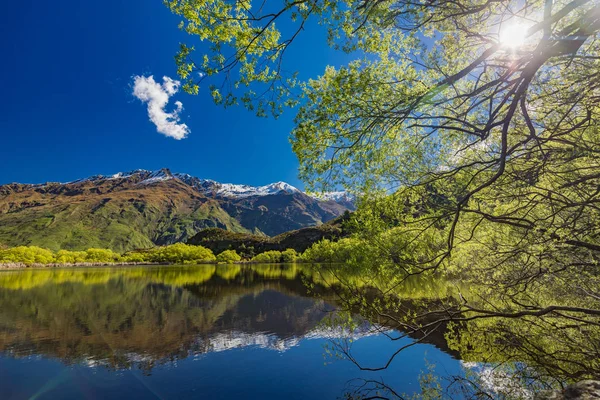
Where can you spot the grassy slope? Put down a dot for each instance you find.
(126, 213)
(120, 220)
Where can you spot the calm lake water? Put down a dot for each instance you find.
(169, 332)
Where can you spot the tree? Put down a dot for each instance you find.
(101, 255)
(289, 256)
(487, 140)
(182, 253)
(26, 255)
(271, 256)
(70, 257)
(458, 105)
(228, 256)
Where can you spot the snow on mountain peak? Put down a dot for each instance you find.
(158, 176)
(209, 186)
(232, 190)
(281, 187)
(333, 196)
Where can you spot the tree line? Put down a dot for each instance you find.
(178, 253)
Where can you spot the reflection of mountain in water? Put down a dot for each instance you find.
(132, 319)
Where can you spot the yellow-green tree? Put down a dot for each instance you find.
(228, 257)
(182, 253)
(70, 257)
(272, 256)
(101, 255)
(289, 256)
(475, 149)
(27, 255)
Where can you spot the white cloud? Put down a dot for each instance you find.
(156, 96)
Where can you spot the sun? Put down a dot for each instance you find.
(513, 35)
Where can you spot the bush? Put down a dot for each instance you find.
(176, 253)
(228, 256)
(101, 256)
(289, 256)
(27, 255)
(272, 256)
(345, 250)
(136, 257)
(182, 253)
(70, 257)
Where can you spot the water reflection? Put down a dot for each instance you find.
(147, 316)
(159, 319)
(257, 319)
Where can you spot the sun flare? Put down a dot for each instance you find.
(513, 35)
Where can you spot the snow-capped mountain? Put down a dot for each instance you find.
(141, 208)
(210, 186)
(334, 196)
(233, 190)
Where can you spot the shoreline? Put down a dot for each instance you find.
(15, 266)
(21, 266)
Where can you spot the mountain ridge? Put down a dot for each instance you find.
(141, 208)
(201, 184)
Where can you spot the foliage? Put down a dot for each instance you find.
(272, 256)
(70, 257)
(101, 255)
(433, 103)
(347, 250)
(181, 253)
(384, 249)
(177, 253)
(289, 256)
(26, 255)
(489, 150)
(228, 257)
(136, 256)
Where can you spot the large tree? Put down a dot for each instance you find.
(479, 116)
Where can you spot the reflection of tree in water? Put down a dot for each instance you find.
(143, 316)
(508, 352)
(136, 316)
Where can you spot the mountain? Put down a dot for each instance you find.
(140, 209)
(248, 245)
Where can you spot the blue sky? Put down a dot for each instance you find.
(68, 110)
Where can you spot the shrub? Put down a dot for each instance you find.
(70, 257)
(27, 255)
(228, 256)
(289, 256)
(176, 253)
(101, 255)
(136, 256)
(344, 250)
(182, 253)
(272, 256)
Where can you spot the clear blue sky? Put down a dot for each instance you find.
(67, 109)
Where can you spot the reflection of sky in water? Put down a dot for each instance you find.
(127, 338)
(300, 372)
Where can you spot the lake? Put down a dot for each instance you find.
(189, 332)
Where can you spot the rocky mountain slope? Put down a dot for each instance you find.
(142, 208)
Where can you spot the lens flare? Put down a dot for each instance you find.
(513, 35)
